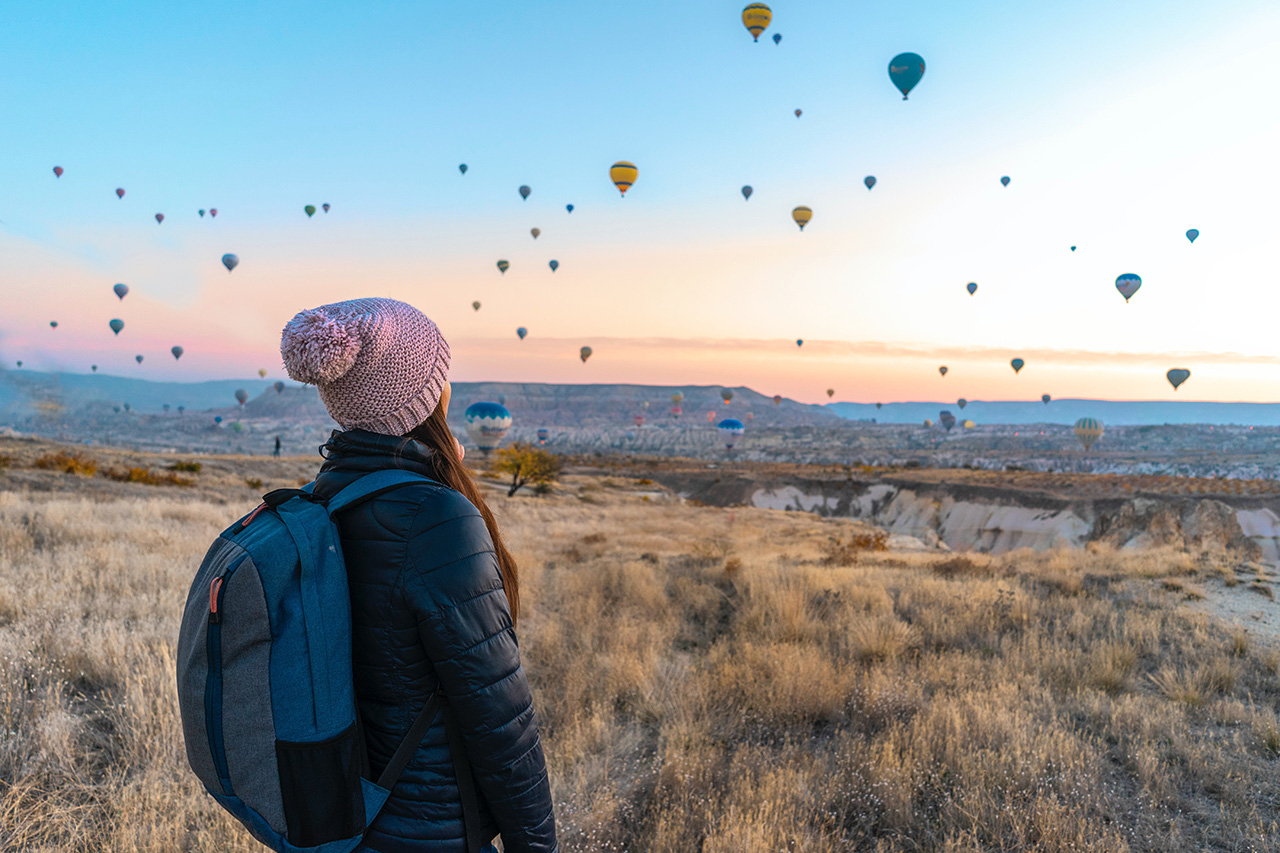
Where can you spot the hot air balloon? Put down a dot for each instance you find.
(777, 37)
(569, 208)
(262, 373)
(584, 354)
(57, 171)
(1128, 285)
(962, 402)
(217, 419)
(181, 409)
(802, 215)
(1088, 430)
(1193, 234)
(1073, 248)
(543, 435)
(487, 424)
(905, 70)
(777, 399)
(623, 175)
(241, 396)
(53, 324)
(947, 420)
(309, 210)
(756, 18)
(127, 407)
(644, 404)
(1177, 376)
(726, 395)
(1016, 364)
(535, 232)
(177, 352)
(116, 325)
(731, 429)
(524, 192)
(1005, 180)
(159, 218)
(972, 287)
(230, 262)
(201, 212)
(676, 411)
(522, 331)
(799, 342)
(746, 192)
(165, 407)
(870, 181)
(1045, 398)
(138, 359)
(639, 420)
(968, 424)
(928, 424)
(462, 167)
(799, 112)
(325, 207)
(555, 265)
(119, 192)
(878, 405)
(121, 290)
(279, 386)
(711, 417)
(943, 370)
(213, 211)
(503, 266)
(476, 305)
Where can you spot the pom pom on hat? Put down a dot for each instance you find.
(319, 346)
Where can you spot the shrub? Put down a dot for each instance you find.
(839, 551)
(147, 477)
(526, 464)
(253, 482)
(960, 567)
(189, 466)
(5, 461)
(68, 463)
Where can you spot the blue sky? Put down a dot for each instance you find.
(1120, 124)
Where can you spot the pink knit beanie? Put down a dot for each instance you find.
(380, 364)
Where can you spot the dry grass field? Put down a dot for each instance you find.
(724, 681)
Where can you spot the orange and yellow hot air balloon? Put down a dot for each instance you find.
(756, 18)
(802, 215)
(623, 175)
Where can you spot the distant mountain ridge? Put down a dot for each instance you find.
(1069, 410)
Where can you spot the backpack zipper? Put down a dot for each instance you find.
(213, 680)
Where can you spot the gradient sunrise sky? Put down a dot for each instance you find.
(1121, 125)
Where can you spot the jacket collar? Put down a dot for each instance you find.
(349, 454)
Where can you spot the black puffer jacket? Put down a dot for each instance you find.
(428, 608)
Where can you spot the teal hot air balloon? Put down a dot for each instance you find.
(799, 342)
(746, 192)
(1073, 248)
(1177, 376)
(524, 192)
(947, 420)
(730, 429)
(555, 265)
(1016, 364)
(309, 210)
(522, 331)
(1128, 285)
(569, 208)
(177, 352)
(487, 424)
(972, 287)
(905, 70)
(962, 402)
(116, 325)
(279, 386)
(230, 261)
(138, 359)
(121, 290)
(1045, 398)
(1193, 234)
(870, 181)
(543, 435)
(462, 167)
(1004, 181)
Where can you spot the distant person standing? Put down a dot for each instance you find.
(276, 452)
(434, 591)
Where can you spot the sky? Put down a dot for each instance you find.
(1120, 125)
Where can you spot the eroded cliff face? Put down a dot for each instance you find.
(963, 518)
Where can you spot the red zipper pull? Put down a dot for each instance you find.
(251, 516)
(214, 615)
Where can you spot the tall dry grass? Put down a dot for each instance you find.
(707, 681)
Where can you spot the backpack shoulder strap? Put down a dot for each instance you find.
(372, 485)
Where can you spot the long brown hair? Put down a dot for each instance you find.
(434, 432)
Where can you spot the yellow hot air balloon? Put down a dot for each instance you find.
(802, 215)
(262, 372)
(623, 175)
(756, 18)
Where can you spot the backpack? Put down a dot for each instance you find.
(265, 686)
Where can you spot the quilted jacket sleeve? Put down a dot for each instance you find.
(452, 583)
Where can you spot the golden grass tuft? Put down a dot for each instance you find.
(68, 463)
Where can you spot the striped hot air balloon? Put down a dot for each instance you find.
(802, 215)
(487, 424)
(730, 429)
(623, 175)
(1088, 430)
(756, 18)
